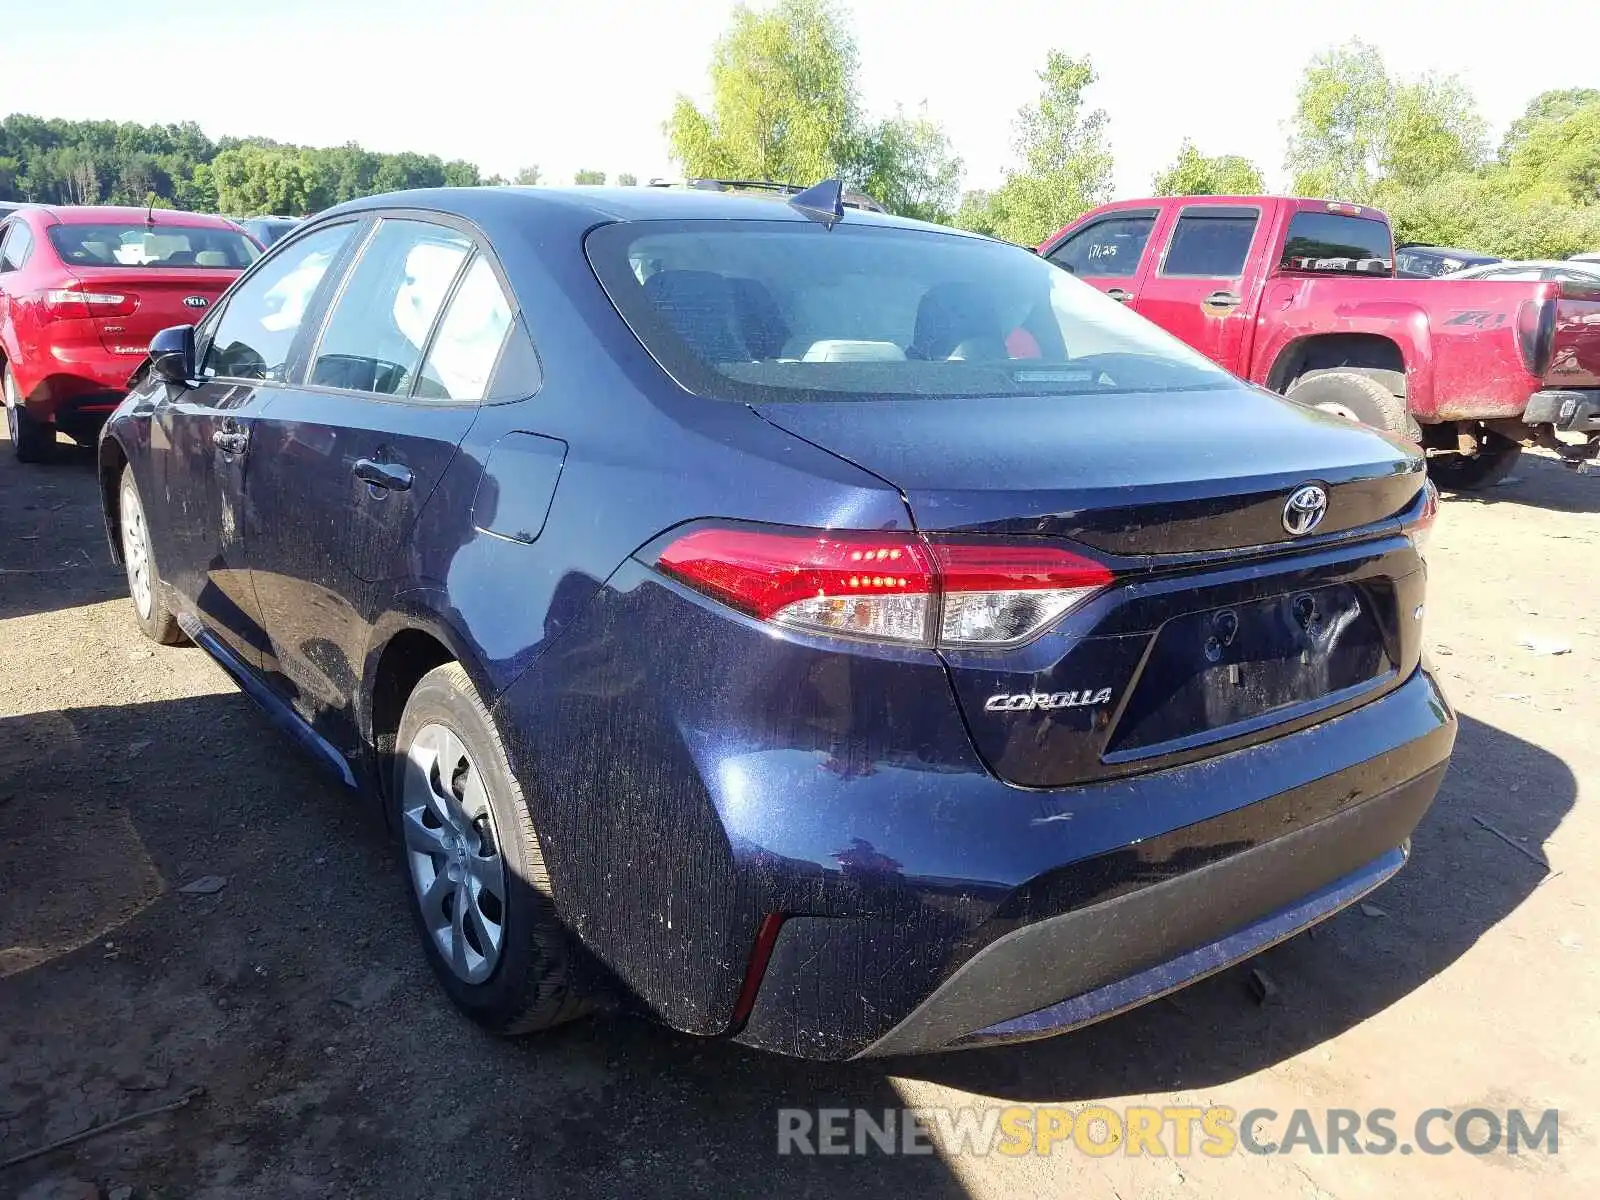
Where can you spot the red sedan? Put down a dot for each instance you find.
(82, 291)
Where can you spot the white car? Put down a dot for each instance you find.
(1576, 270)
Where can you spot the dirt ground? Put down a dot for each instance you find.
(330, 1065)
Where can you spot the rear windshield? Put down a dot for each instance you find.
(777, 310)
(136, 245)
(1320, 241)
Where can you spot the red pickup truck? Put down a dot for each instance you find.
(1300, 296)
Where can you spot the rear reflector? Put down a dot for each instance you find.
(886, 587)
(63, 304)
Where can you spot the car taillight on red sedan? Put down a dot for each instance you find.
(71, 303)
(889, 587)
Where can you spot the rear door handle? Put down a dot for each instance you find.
(1119, 295)
(1222, 299)
(393, 477)
(230, 441)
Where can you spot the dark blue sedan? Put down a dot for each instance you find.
(791, 622)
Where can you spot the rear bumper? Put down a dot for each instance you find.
(1571, 410)
(1110, 957)
(68, 384)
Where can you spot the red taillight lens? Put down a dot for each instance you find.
(65, 304)
(887, 587)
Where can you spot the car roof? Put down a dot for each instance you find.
(95, 214)
(1452, 251)
(597, 205)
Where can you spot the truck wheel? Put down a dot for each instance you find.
(1496, 456)
(1356, 397)
(479, 889)
(31, 441)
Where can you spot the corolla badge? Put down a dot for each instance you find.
(1031, 701)
(195, 301)
(1304, 509)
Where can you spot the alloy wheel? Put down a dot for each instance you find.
(136, 551)
(453, 851)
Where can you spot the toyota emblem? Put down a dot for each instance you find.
(1304, 509)
(196, 301)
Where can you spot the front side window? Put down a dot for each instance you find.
(257, 330)
(1332, 242)
(139, 245)
(1211, 242)
(467, 346)
(776, 310)
(380, 323)
(1108, 249)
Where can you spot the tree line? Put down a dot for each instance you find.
(785, 105)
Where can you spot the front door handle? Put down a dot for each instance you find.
(231, 441)
(1222, 299)
(1119, 295)
(393, 477)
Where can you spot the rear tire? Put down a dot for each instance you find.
(465, 834)
(32, 441)
(146, 588)
(1496, 457)
(1356, 397)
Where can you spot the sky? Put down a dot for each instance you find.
(569, 84)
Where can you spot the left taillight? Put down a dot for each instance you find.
(900, 588)
(72, 303)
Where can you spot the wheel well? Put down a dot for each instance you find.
(112, 462)
(1370, 353)
(408, 656)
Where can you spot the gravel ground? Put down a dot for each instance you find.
(295, 997)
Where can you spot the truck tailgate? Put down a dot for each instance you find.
(1575, 337)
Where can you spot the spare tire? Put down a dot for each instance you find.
(1356, 397)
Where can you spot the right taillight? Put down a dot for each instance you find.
(1420, 529)
(887, 587)
(1536, 332)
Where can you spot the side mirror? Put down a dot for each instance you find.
(172, 355)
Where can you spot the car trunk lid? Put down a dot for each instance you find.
(159, 297)
(1221, 626)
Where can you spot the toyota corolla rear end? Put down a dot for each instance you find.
(1133, 691)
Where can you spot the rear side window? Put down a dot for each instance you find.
(374, 338)
(1321, 241)
(789, 310)
(1108, 249)
(1211, 242)
(467, 346)
(16, 248)
(258, 327)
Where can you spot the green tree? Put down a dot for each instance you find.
(1554, 105)
(1557, 157)
(1355, 128)
(585, 176)
(976, 212)
(1196, 174)
(1066, 163)
(460, 173)
(527, 176)
(783, 98)
(627, 179)
(906, 164)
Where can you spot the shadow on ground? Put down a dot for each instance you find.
(1540, 481)
(296, 996)
(53, 551)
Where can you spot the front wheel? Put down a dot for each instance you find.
(479, 889)
(145, 586)
(1496, 457)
